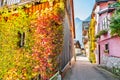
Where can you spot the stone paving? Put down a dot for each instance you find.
(84, 70)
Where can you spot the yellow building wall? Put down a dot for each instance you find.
(92, 40)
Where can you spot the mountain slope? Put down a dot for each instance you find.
(78, 29)
(88, 18)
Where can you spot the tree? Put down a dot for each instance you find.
(115, 20)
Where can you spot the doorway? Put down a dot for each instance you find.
(99, 54)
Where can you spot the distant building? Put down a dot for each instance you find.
(85, 40)
(77, 46)
(68, 55)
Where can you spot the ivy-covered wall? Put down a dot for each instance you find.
(15, 59)
(30, 44)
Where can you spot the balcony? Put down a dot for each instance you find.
(84, 32)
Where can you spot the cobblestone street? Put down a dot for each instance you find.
(84, 70)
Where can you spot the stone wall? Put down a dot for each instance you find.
(110, 62)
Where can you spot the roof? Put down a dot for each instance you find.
(98, 1)
(101, 0)
(16, 2)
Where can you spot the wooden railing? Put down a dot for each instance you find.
(37, 7)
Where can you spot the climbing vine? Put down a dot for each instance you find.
(115, 20)
(49, 40)
(30, 45)
(15, 62)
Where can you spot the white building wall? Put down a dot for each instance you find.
(97, 9)
(97, 18)
(77, 50)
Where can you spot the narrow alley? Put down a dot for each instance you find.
(84, 70)
(40, 39)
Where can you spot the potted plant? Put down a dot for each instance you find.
(106, 51)
(115, 21)
(103, 32)
(97, 36)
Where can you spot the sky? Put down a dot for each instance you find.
(83, 8)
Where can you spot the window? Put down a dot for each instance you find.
(101, 25)
(21, 39)
(105, 23)
(108, 19)
(86, 27)
(98, 28)
(106, 47)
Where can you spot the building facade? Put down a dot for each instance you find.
(107, 46)
(77, 46)
(85, 40)
(67, 57)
